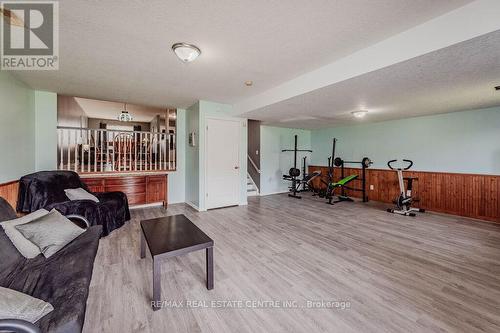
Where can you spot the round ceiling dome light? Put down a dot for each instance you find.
(360, 113)
(249, 83)
(186, 52)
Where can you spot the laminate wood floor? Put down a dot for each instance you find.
(432, 273)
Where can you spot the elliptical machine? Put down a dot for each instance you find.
(404, 200)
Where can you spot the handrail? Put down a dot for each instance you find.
(98, 150)
(106, 130)
(253, 163)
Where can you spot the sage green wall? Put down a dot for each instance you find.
(216, 110)
(196, 119)
(273, 162)
(192, 179)
(17, 128)
(177, 179)
(463, 142)
(28, 135)
(45, 130)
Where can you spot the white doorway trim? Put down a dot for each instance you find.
(240, 123)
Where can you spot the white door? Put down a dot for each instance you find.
(223, 163)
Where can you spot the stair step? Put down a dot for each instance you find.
(252, 193)
(252, 189)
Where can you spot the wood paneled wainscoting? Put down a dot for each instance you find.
(469, 195)
(9, 191)
(140, 189)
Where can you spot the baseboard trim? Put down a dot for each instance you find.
(192, 205)
(273, 193)
(176, 202)
(154, 204)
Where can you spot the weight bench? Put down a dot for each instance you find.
(297, 183)
(332, 186)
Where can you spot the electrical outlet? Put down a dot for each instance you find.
(372, 187)
(256, 152)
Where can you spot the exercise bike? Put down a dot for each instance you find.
(404, 200)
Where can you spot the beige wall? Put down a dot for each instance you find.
(75, 111)
(94, 123)
(69, 112)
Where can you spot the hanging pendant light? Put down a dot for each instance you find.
(124, 115)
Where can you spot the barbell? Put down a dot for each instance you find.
(365, 162)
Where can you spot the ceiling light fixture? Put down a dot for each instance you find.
(360, 113)
(186, 52)
(124, 115)
(249, 83)
(298, 118)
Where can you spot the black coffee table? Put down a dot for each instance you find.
(172, 236)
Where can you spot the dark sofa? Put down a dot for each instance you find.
(45, 189)
(62, 280)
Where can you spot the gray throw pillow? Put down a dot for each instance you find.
(79, 194)
(16, 305)
(51, 232)
(24, 246)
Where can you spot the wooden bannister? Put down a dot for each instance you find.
(86, 150)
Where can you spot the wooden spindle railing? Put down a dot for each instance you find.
(87, 150)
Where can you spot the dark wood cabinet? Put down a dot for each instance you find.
(156, 189)
(139, 189)
(95, 185)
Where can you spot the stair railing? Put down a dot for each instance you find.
(253, 164)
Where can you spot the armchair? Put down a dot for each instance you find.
(45, 189)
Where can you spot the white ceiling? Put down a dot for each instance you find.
(116, 50)
(110, 110)
(456, 78)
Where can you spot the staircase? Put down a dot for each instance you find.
(252, 189)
